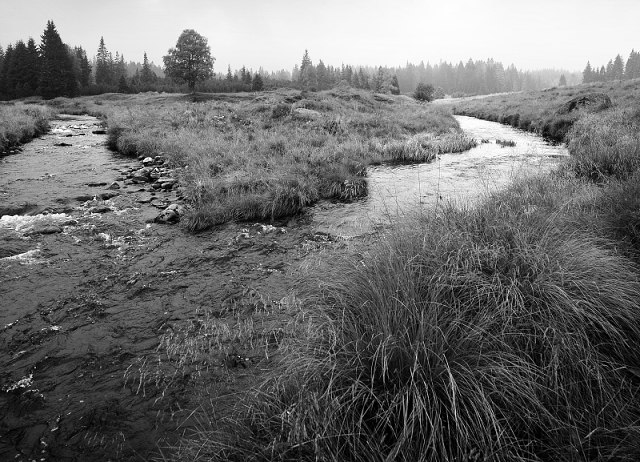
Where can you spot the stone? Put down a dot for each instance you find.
(308, 114)
(114, 185)
(105, 196)
(592, 101)
(170, 215)
(147, 161)
(44, 228)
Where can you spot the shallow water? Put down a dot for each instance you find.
(464, 177)
(88, 287)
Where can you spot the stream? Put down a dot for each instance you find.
(90, 285)
(462, 177)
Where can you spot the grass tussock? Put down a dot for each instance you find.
(479, 333)
(21, 123)
(607, 145)
(271, 155)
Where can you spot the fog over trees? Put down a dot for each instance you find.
(616, 69)
(53, 68)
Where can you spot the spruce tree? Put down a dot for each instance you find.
(6, 63)
(229, 76)
(83, 71)
(563, 81)
(587, 74)
(617, 70)
(103, 65)
(307, 72)
(147, 76)
(32, 71)
(56, 72)
(257, 84)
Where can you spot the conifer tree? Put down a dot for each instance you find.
(587, 74)
(563, 81)
(83, 72)
(147, 76)
(6, 63)
(321, 76)
(617, 70)
(103, 65)
(56, 72)
(257, 84)
(229, 76)
(307, 72)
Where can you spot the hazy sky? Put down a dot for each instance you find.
(532, 34)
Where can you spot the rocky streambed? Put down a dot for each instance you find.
(100, 298)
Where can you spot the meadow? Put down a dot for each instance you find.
(504, 332)
(507, 331)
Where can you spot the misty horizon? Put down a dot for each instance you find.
(273, 36)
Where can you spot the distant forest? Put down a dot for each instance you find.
(616, 69)
(53, 68)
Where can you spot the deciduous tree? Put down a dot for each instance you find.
(190, 61)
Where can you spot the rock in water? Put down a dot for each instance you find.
(170, 215)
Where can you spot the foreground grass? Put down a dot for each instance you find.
(506, 332)
(20, 123)
(270, 155)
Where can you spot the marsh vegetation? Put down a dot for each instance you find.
(503, 332)
(500, 332)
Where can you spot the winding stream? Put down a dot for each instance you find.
(463, 177)
(89, 285)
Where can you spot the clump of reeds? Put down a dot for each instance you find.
(505, 143)
(20, 123)
(493, 333)
(425, 147)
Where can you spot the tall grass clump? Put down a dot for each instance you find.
(473, 335)
(606, 145)
(21, 123)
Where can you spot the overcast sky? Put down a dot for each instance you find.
(532, 34)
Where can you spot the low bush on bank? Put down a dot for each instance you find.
(21, 123)
(487, 334)
(271, 155)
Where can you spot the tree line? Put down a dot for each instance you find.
(53, 68)
(616, 69)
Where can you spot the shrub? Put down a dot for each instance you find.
(424, 92)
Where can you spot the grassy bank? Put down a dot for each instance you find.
(20, 123)
(545, 112)
(270, 155)
(506, 332)
(509, 332)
